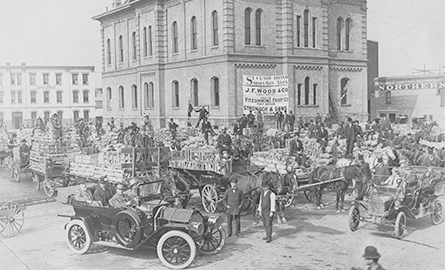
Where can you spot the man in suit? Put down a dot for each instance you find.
(429, 179)
(266, 209)
(224, 142)
(296, 150)
(233, 201)
(238, 129)
(203, 113)
(279, 117)
(118, 200)
(291, 121)
(206, 128)
(102, 193)
(350, 134)
(362, 184)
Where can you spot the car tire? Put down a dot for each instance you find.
(437, 215)
(77, 236)
(214, 241)
(131, 236)
(171, 245)
(354, 218)
(400, 225)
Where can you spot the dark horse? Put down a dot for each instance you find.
(345, 175)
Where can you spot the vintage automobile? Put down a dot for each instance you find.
(391, 206)
(177, 233)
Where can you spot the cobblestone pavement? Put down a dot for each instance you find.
(312, 239)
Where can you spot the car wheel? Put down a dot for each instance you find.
(214, 241)
(77, 236)
(400, 225)
(354, 218)
(176, 249)
(49, 187)
(437, 215)
(128, 228)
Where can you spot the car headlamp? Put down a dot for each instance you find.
(197, 227)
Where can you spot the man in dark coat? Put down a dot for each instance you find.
(362, 184)
(429, 179)
(318, 118)
(202, 113)
(189, 110)
(291, 120)
(206, 128)
(296, 150)
(350, 137)
(102, 193)
(301, 123)
(238, 129)
(266, 209)
(172, 126)
(233, 201)
(279, 117)
(322, 138)
(224, 141)
(243, 121)
(250, 119)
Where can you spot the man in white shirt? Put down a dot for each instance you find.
(266, 210)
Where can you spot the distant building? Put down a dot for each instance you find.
(411, 96)
(160, 55)
(30, 92)
(373, 72)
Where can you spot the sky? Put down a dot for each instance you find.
(410, 33)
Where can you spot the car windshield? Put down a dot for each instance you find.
(148, 189)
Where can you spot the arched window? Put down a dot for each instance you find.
(194, 88)
(388, 97)
(314, 32)
(121, 97)
(307, 89)
(150, 42)
(86, 97)
(133, 43)
(149, 95)
(247, 28)
(175, 44)
(194, 31)
(121, 49)
(214, 28)
(175, 91)
(144, 36)
(344, 84)
(108, 52)
(348, 27)
(306, 28)
(214, 82)
(298, 31)
(134, 96)
(75, 96)
(258, 22)
(109, 96)
(339, 30)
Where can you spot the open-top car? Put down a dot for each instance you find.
(177, 233)
(393, 205)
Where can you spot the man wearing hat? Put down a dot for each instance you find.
(351, 136)
(118, 200)
(428, 179)
(381, 171)
(132, 192)
(266, 209)
(296, 150)
(224, 141)
(362, 184)
(24, 153)
(102, 193)
(372, 258)
(233, 201)
(83, 194)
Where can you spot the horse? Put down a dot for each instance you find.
(345, 176)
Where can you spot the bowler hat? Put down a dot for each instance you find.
(102, 180)
(234, 180)
(23, 140)
(371, 253)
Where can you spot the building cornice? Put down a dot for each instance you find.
(247, 65)
(346, 69)
(308, 67)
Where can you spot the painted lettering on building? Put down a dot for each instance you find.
(411, 86)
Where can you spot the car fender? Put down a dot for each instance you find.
(88, 223)
(172, 226)
(404, 209)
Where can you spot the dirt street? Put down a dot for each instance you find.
(312, 239)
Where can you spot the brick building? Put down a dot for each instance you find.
(158, 55)
(29, 92)
(413, 96)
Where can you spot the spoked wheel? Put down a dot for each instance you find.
(78, 238)
(209, 198)
(310, 195)
(49, 187)
(437, 215)
(11, 219)
(15, 174)
(400, 225)
(176, 249)
(214, 241)
(354, 218)
(36, 181)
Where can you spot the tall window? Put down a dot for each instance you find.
(144, 36)
(46, 97)
(13, 97)
(215, 91)
(133, 43)
(12, 79)
(306, 28)
(76, 116)
(214, 28)
(46, 116)
(258, 14)
(59, 96)
(33, 97)
(45, 78)
(108, 51)
(388, 97)
(85, 78)
(1, 97)
(299, 93)
(121, 97)
(314, 32)
(121, 49)
(150, 42)
(149, 95)
(19, 97)
(194, 31)
(60, 115)
(298, 31)
(86, 115)
(75, 78)
(58, 78)
(75, 96)
(194, 87)
(134, 95)
(19, 79)
(33, 117)
(86, 97)
(344, 83)
(32, 79)
(339, 29)
(175, 44)
(175, 90)
(109, 98)
(348, 27)
(307, 90)
(247, 27)
(314, 96)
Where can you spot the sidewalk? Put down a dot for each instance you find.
(8, 260)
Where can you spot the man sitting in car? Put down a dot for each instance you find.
(83, 194)
(132, 192)
(118, 200)
(102, 193)
(429, 179)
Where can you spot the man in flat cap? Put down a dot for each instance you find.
(233, 201)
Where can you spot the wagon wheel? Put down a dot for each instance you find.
(36, 181)
(15, 175)
(310, 195)
(354, 218)
(437, 215)
(209, 198)
(49, 187)
(400, 225)
(11, 219)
